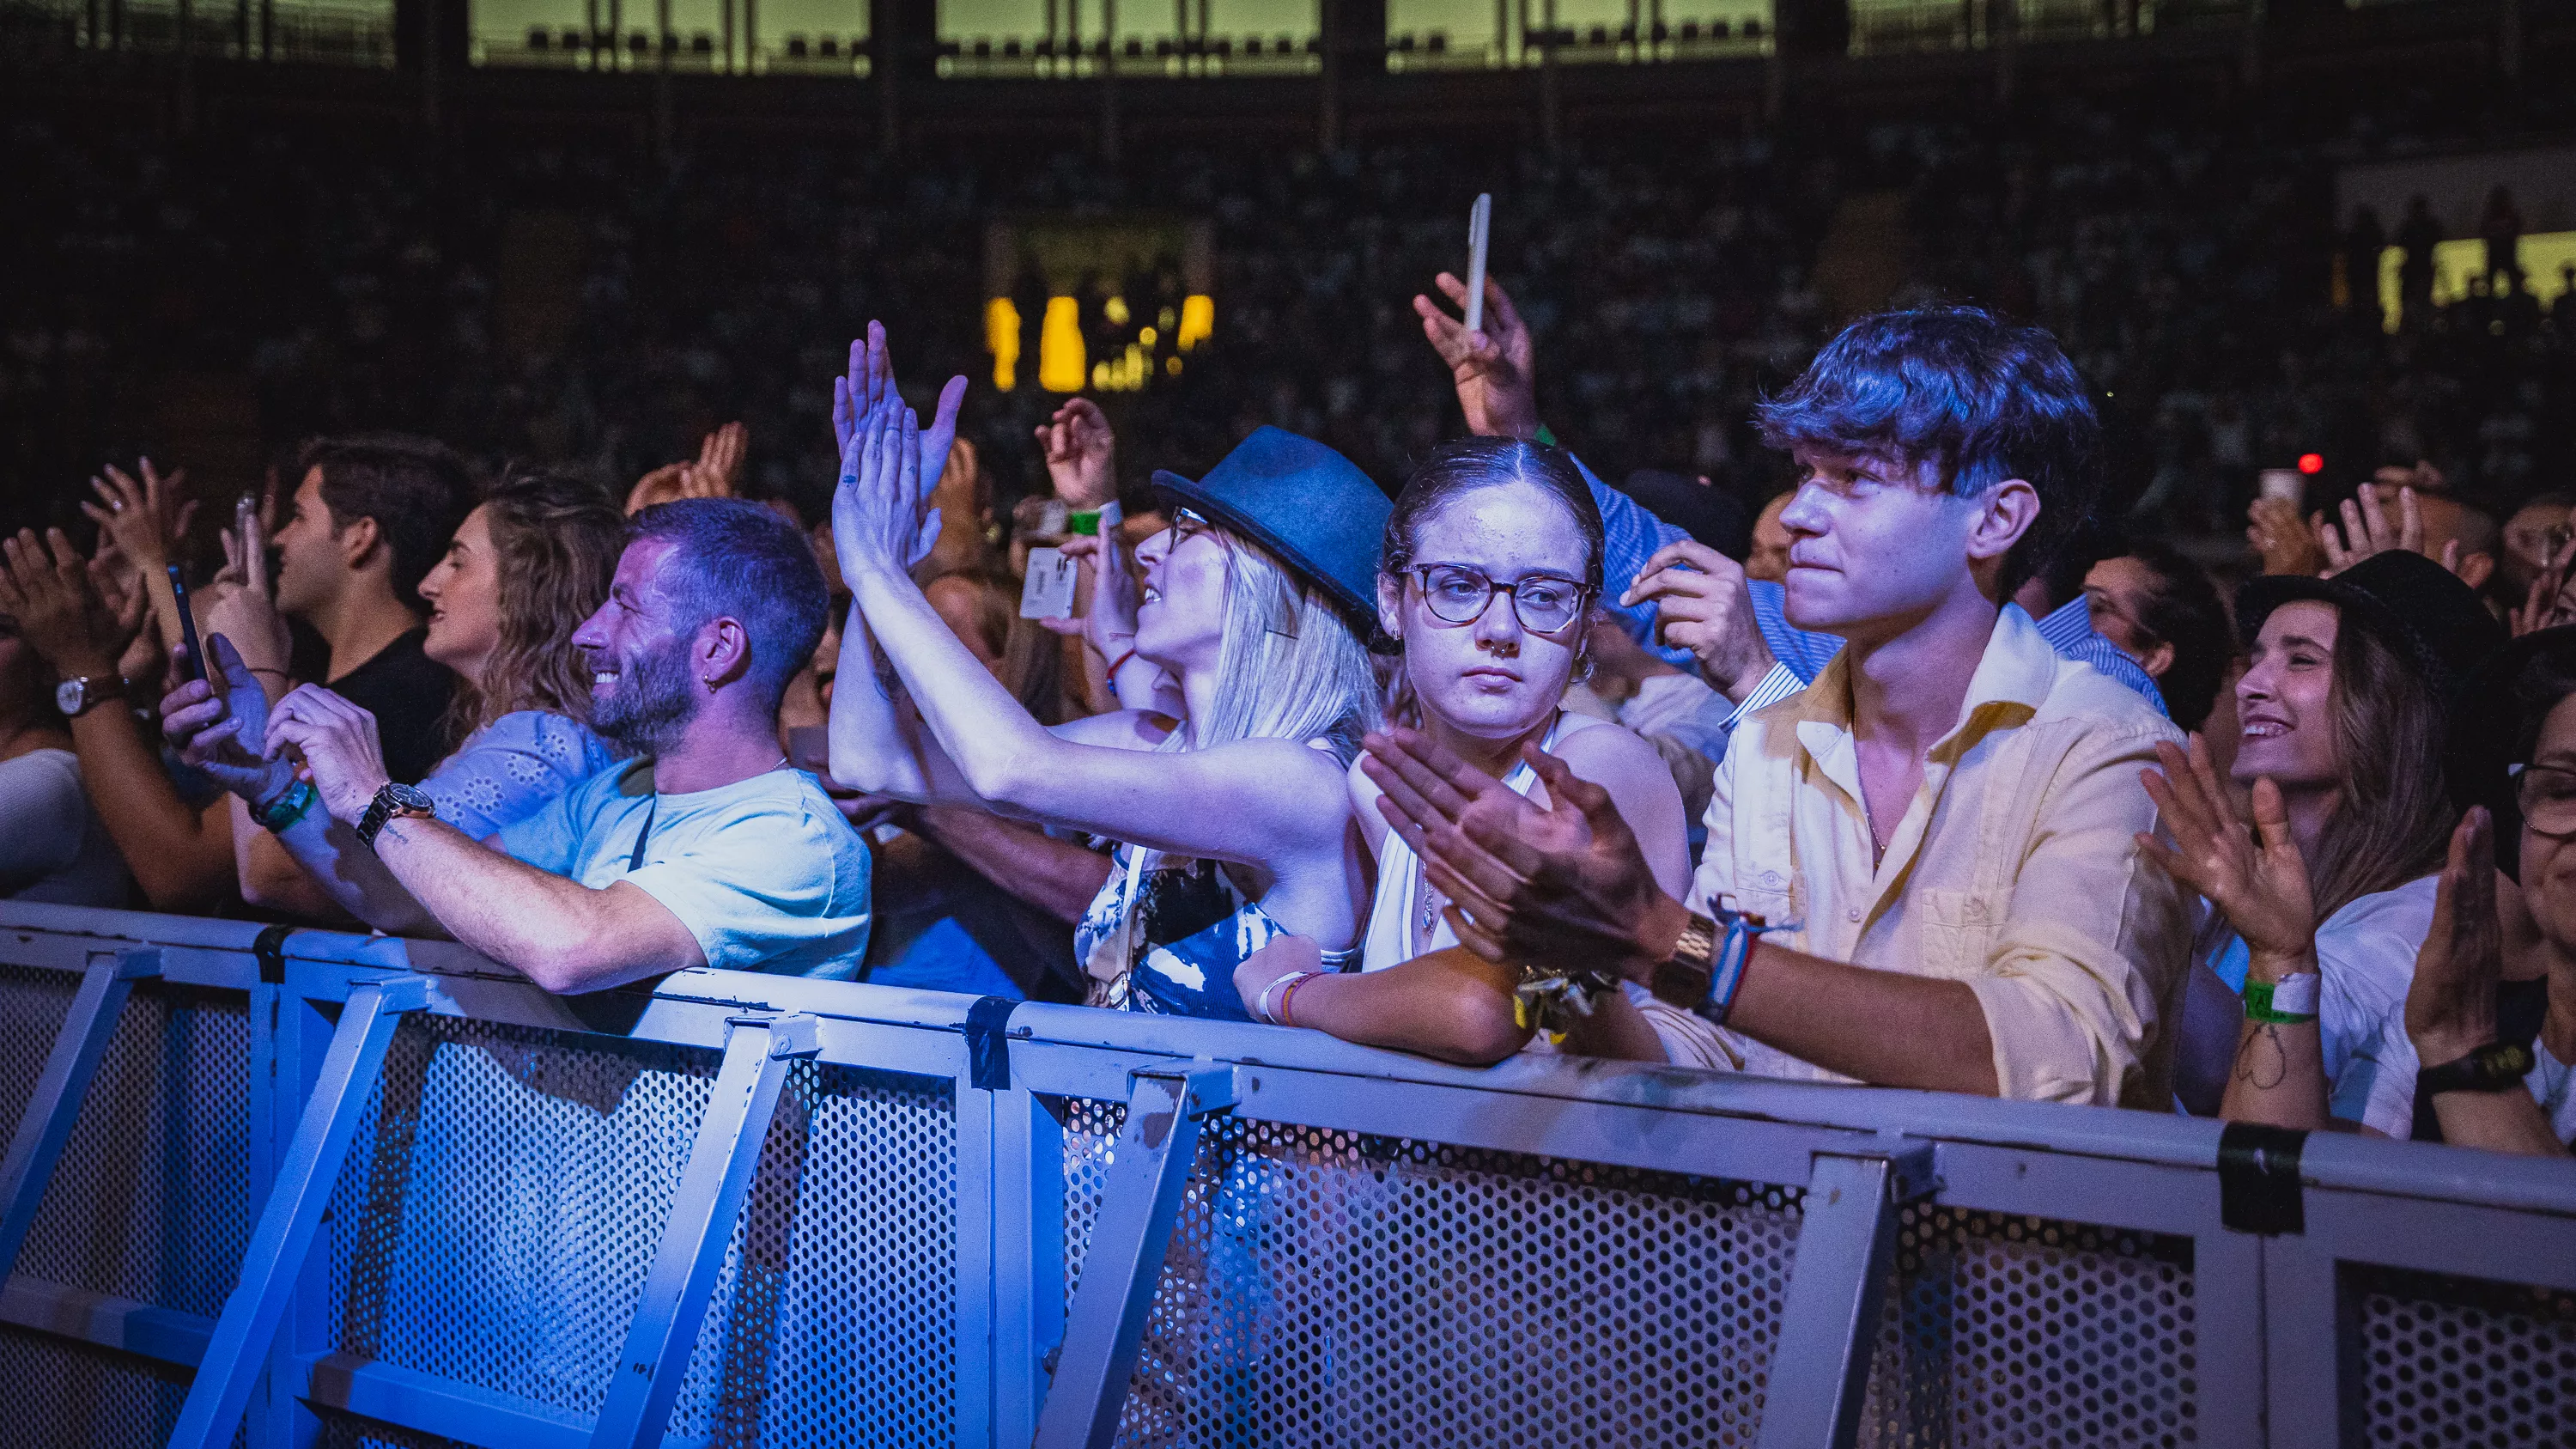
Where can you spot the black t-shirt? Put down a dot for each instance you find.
(407, 692)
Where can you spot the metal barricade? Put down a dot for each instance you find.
(318, 1189)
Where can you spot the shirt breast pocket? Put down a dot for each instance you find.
(1956, 930)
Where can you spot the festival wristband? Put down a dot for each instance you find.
(286, 809)
(1093, 522)
(1289, 994)
(2286, 1002)
(1117, 664)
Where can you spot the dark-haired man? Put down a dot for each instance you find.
(1941, 831)
(369, 519)
(708, 850)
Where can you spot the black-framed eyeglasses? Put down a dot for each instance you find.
(2547, 795)
(1457, 594)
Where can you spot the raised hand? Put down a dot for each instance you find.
(1493, 370)
(2286, 545)
(2545, 606)
(1080, 454)
(1562, 887)
(46, 587)
(2451, 1004)
(147, 519)
(218, 724)
(2256, 876)
(878, 522)
(1703, 605)
(716, 473)
(244, 604)
(870, 387)
(343, 754)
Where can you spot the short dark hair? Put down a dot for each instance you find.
(2183, 609)
(416, 489)
(1975, 399)
(737, 559)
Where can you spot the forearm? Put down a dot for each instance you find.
(1453, 1005)
(875, 743)
(2508, 1121)
(2279, 1078)
(273, 878)
(1000, 752)
(1058, 877)
(561, 935)
(180, 856)
(1881, 1027)
(320, 861)
(1617, 1030)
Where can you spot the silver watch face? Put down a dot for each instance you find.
(69, 695)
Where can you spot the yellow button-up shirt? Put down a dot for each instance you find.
(2015, 869)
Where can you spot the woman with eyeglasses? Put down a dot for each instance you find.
(2297, 1014)
(2499, 1054)
(1492, 561)
(1234, 821)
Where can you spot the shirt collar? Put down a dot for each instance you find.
(2014, 675)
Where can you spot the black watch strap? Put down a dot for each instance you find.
(2496, 1067)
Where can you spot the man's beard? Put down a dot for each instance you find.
(651, 703)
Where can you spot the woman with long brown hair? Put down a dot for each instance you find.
(2322, 904)
(521, 573)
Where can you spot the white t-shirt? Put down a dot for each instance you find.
(2366, 953)
(52, 847)
(764, 872)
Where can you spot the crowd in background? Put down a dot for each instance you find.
(820, 734)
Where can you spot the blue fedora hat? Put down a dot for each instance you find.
(1308, 505)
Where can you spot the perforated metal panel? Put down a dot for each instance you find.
(502, 1200)
(835, 1320)
(2460, 1363)
(33, 1002)
(348, 1433)
(57, 1395)
(2012, 1330)
(151, 1199)
(1326, 1287)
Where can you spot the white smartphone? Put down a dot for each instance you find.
(1480, 229)
(1048, 591)
(2285, 484)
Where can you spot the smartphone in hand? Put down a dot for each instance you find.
(1480, 231)
(196, 661)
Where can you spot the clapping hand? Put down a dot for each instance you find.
(219, 724)
(1492, 369)
(46, 587)
(146, 519)
(717, 473)
(870, 387)
(2285, 545)
(2255, 876)
(1081, 454)
(2451, 1004)
(2366, 531)
(877, 520)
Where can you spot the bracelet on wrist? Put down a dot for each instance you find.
(1117, 664)
(1289, 994)
(285, 809)
(2286, 1002)
(1262, 1009)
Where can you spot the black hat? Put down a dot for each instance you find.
(2486, 743)
(1307, 504)
(1712, 515)
(2418, 607)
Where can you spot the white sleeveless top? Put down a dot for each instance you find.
(1687, 1040)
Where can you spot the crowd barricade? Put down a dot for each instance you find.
(277, 1188)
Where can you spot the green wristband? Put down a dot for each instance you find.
(2259, 1007)
(286, 809)
(1544, 436)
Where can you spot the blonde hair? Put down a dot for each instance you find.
(1289, 666)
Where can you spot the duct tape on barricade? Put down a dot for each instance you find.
(2258, 1179)
(988, 1051)
(270, 948)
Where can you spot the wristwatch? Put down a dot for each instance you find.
(1682, 978)
(78, 696)
(2499, 1066)
(406, 801)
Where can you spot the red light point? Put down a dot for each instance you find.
(2312, 462)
